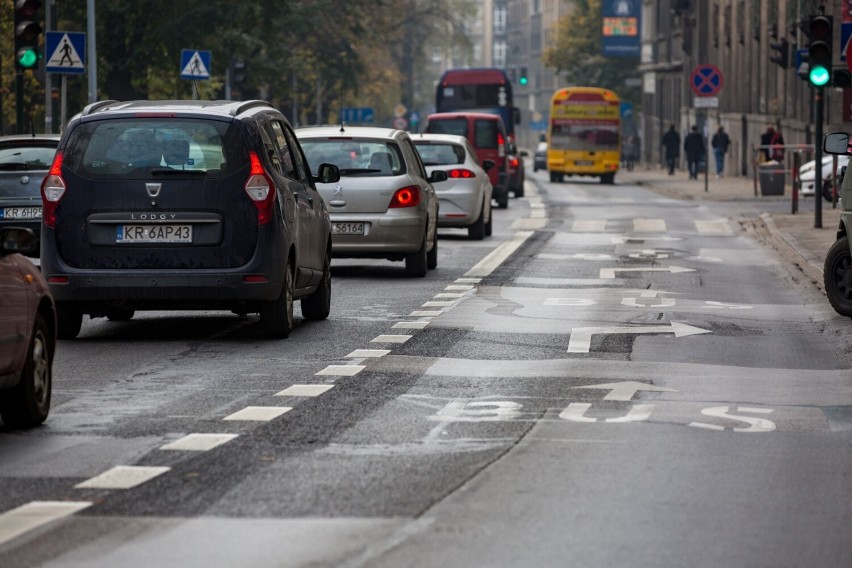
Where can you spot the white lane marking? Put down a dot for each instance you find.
(536, 204)
(572, 302)
(724, 306)
(304, 390)
(610, 272)
(625, 390)
(638, 413)
(648, 254)
(632, 303)
(589, 226)
(576, 412)
(369, 353)
(529, 224)
(459, 287)
(122, 477)
(259, 413)
(494, 259)
(425, 313)
(704, 258)
(581, 337)
(538, 214)
(478, 411)
(391, 339)
(715, 227)
(410, 325)
(198, 442)
(453, 295)
(623, 240)
(34, 514)
(579, 256)
(342, 370)
(754, 424)
(438, 304)
(649, 225)
(468, 280)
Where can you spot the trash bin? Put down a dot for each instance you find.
(772, 177)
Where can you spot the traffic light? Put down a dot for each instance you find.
(522, 78)
(819, 50)
(27, 32)
(782, 58)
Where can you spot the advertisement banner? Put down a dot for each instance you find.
(621, 25)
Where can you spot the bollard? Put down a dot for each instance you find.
(797, 184)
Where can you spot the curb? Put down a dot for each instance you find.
(811, 265)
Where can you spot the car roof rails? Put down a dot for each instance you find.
(90, 108)
(243, 106)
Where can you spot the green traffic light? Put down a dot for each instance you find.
(819, 76)
(522, 81)
(27, 58)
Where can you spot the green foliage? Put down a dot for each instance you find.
(577, 53)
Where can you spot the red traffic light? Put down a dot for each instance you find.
(26, 8)
(819, 28)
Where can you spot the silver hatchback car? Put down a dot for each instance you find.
(384, 205)
(464, 200)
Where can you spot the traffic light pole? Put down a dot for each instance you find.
(818, 96)
(19, 102)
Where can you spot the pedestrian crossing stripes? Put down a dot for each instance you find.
(644, 226)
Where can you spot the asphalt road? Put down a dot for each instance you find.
(614, 378)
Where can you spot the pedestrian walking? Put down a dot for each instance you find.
(772, 144)
(720, 143)
(693, 147)
(671, 147)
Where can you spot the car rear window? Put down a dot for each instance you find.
(140, 147)
(26, 157)
(457, 126)
(485, 134)
(434, 154)
(354, 156)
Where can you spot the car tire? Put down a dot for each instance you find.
(416, 263)
(488, 223)
(69, 320)
(837, 277)
(827, 194)
(554, 177)
(503, 201)
(608, 179)
(519, 189)
(476, 231)
(120, 314)
(432, 255)
(317, 306)
(276, 317)
(27, 404)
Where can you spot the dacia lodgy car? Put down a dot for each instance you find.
(174, 205)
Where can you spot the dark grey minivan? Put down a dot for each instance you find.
(174, 205)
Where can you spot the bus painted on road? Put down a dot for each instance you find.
(584, 133)
(482, 89)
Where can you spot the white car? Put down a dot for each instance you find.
(464, 200)
(384, 205)
(807, 172)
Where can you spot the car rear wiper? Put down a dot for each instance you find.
(12, 166)
(172, 171)
(354, 171)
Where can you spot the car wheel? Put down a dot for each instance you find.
(476, 231)
(416, 263)
(317, 306)
(276, 317)
(69, 320)
(837, 277)
(503, 201)
(120, 314)
(827, 194)
(554, 177)
(608, 179)
(519, 190)
(432, 255)
(28, 403)
(488, 224)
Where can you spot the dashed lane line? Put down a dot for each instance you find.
(342, 370)
(258, 413)
(499, 255)
(35, 514)
(198, 442)
(391, 339)
(122, 477)
(366, 353)
(304, 390)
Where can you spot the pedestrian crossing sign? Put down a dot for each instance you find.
(66, 52)
(194, 64)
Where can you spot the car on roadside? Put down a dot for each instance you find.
(24, 162)
(176, 205)
(837, 270)
(807, 175)
(27, 332)
(384, 204)
(517, 170)
(540, 157)
(464, 199)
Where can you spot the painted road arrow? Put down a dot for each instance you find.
(610, 272)
(625, 390)
(581, 337)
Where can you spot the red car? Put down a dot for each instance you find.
(27, 333)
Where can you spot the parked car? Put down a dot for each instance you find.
(837, 271)
(27, 332)
(464, 199)
(540, 157)
(807, 174)
(487, 134)
(384, 205)
(24, 161)
(517, 170)
(167, 205)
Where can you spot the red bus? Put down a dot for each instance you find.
(482, 89)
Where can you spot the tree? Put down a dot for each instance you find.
(577, 53)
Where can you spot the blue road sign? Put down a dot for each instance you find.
(845, 38)
(357, 114)
(65, 52)
(194, 64)
(706, 80)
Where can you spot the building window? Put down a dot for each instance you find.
(500, 54)
(535, 7)
(500, 20)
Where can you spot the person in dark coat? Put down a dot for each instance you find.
(772, 144)
(720, 143)
(693, 147)
(671, 146)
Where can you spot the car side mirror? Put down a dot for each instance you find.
(16, 239)
(328, 173)
(836, 143)
(438, 176)
(488, 165)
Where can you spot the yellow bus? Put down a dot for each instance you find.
(584, 133)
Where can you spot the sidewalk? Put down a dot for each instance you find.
(793, 235)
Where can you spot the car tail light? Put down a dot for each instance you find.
(52, 190)
(405, 197)
(460, 173)
(501, 147)
(513, 162)
(261, 190)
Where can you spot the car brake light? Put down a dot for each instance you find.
(260, 190)
(501, 148)
(460, 173)
(513, 162)
(405, 197)
(52, 190)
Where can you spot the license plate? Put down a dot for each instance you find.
(153, 234)
(20, 212)
(347, 228)
(584, 163)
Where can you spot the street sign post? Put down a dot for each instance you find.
(194, 64)
(65, 51)
(706, 82)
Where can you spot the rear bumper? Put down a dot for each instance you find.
(383, 235)
(459, 209)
